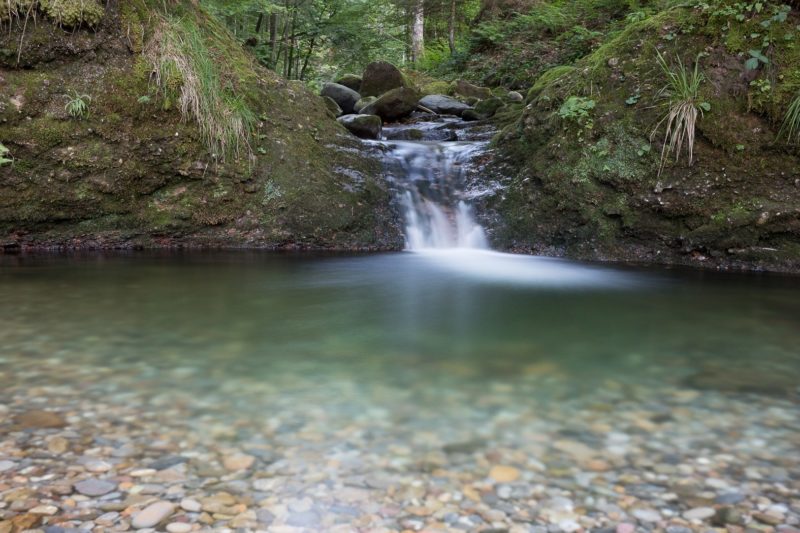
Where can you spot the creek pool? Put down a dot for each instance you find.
(459, 390)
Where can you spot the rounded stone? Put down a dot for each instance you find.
(152, 515)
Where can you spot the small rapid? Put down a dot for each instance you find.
(431, 178)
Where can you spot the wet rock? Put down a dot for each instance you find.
(730, 498)
(364, 102)
(393, 105)
(153, 514)
(646, 515)
(308, 519)
(332, 106)
(444, 105)
(469, 446)
(167, 462)
(504, 474)
(239, 461)
(344, 97)
(364, 126)
(470, 115)
(699, 513)
(94, 487)
(727, 515)
(380, 77)
(39, 419)
(7, 465)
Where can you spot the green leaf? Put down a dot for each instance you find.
(751, 64)
(705, 106)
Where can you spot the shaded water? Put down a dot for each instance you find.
(402, 316)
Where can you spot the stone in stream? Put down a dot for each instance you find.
(351, 81)
(332, 106)
(152, 515)
(364, 126)
(394, 105)
(470, 115)
(699, 513)
(39, 419)
(465, 88)
(380, 77)
(167, 461)
(94, 487)
(364, 102)
(444, 105)
(489, 107)
(344, 97)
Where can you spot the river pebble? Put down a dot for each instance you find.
(320, 447)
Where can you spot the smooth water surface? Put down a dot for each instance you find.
(403, 316)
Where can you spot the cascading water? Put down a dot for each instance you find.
(431, 177)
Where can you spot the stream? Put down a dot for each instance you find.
(448, 384)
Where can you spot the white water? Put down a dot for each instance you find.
(432, 175)
(441, 229)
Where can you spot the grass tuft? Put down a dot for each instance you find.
(684, 109)
(184, 69)
(791, 122)
(77, 105)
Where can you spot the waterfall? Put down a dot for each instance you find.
(431, 178)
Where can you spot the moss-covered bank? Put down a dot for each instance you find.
(583, 161)
(267, 168)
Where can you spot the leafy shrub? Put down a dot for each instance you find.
(5, 157)
(578, 109)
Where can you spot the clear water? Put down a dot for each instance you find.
(401, 318)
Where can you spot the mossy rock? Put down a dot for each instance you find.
(364, 102)
(140, 174)
(351, 81)
(487, 108)
(466, 89)
(437, 87)
(332, 106)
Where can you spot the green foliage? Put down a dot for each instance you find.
(5, 156)
(791, 122)
(578, 109)
(684, 107)
(186, 70)
(77, 105)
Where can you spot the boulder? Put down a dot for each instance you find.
(489, 107)
(465, 88)
(332, 106)
(364, 102)
(364, 126)
(380, 77)
(344, 97)
(351, 81)
(444, 105)
(437, 87)
(514, 96)
(394, 105)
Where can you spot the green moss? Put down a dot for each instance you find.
(73, 13)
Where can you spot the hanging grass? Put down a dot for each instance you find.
(184, 70)
(791, 122)
(684, 109)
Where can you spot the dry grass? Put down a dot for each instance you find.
(183, 68)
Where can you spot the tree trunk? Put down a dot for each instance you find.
(451, 28)
(273, 38)
(417, 31)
